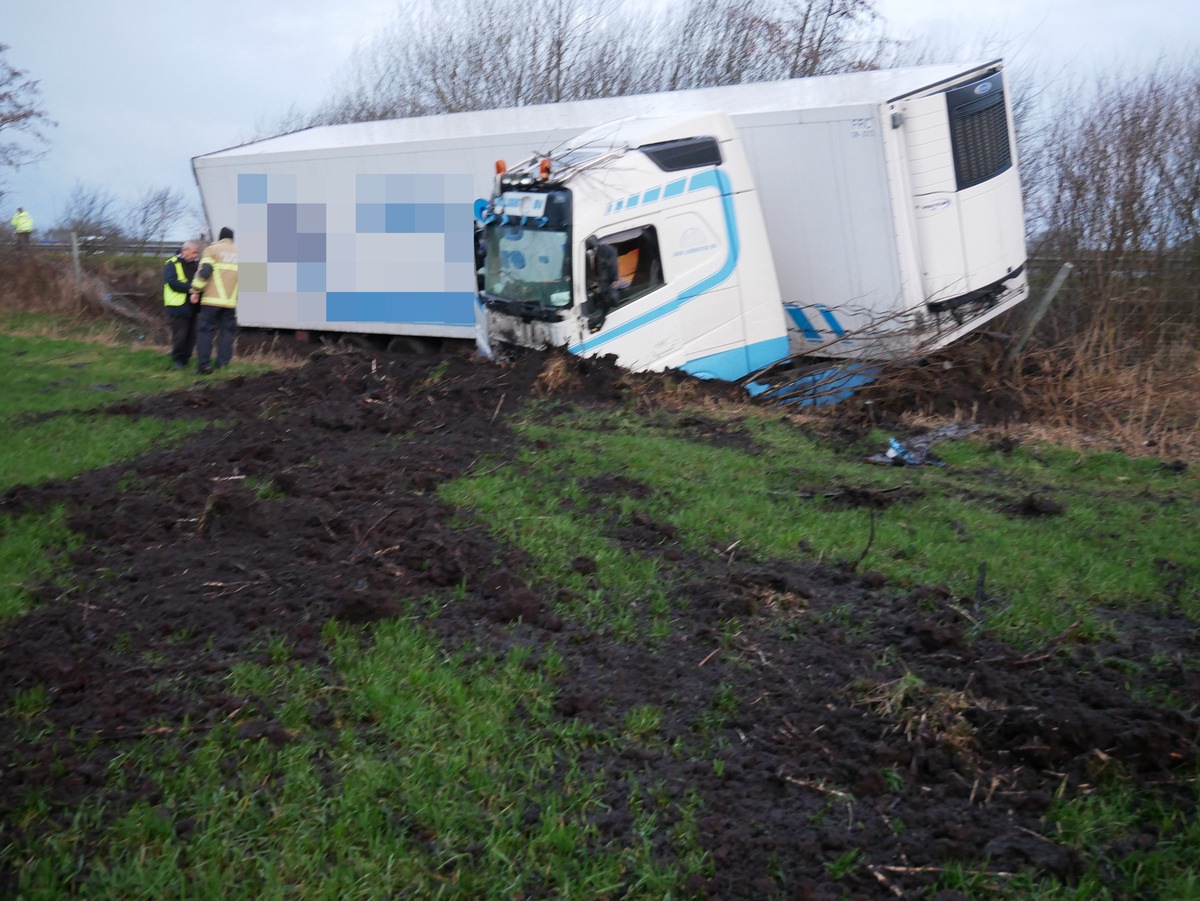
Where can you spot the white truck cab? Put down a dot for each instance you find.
(642, 238)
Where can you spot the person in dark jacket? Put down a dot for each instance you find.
(182, 313)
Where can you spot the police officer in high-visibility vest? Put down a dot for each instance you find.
(22, 224)
(215, 288)
(178, 273)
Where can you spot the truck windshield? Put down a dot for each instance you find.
(529, 253)
(528, 265)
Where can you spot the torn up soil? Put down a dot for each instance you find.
(860, 715)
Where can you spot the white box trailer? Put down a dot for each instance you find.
(885, 194)
(367, 228)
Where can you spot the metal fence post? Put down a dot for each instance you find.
(1039, 311)
(75, 261)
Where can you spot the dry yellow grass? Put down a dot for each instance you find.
(1094, 392)
(554, 376)
(64, 307)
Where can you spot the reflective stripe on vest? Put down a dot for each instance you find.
(215, 293)
(171, 297)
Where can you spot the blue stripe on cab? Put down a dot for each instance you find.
(731, 365)
(718, 180)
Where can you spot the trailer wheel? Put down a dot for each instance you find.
(355, 342)
(414, 344)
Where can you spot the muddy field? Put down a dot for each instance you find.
(177, 543)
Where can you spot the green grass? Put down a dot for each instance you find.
(443, 782)
(1042, 574)
(54, 375)
(67, 445)
(52, 395)
(1107, 827)
(1122, 519)
(30, 546)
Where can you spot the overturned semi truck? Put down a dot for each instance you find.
(862, 216)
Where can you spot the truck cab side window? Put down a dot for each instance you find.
(638, 263)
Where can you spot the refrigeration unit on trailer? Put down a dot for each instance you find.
(910, 232)
(890, 200)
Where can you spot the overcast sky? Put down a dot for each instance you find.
(139, 88)
(1050, 36)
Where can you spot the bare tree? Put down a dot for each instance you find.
(734, 41)
(153, 214)
(91, 215)
(578, 49)
(945, 46)
(494, 65)
(20, 117)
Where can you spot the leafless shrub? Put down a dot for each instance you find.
(1103, 381)
(1098, 389)
(1118, 197)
